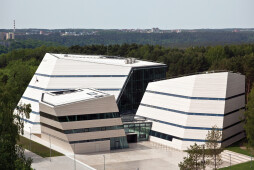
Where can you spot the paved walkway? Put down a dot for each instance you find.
(60, 162)
(56, 163)
(236, 158)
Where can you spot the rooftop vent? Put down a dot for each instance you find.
(130, 60)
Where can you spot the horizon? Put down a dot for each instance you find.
(113, 14)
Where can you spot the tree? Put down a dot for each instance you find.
(11, 125)
(194, 159)
(213, 139)
(249, 118)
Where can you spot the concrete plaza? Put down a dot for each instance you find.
(141, 156)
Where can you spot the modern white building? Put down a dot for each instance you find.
(86, 118)
(184, 109)
(126, 79)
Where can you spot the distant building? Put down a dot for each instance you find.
(10, 35)
(183, 110)
(2, 35)
(86, 118)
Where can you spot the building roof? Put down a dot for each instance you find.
(111, 60)
(57, 98)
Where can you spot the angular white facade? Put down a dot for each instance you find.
(184, 109)
(60, 72)
(86, 118)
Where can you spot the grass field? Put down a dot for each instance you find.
(37, 148)
(236, 147)
(243, 166)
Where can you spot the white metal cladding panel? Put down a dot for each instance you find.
(207, 106)
(233, 118)
(204, 121)
(89, 147)
(33, 93)
(99, 105)
(36, 128)
(195, 134)
(210, 85)
(236, 84)
(177, 144)
(51, 122)
(47, 64)
(72, 67)
(162, 115)
(54, 133)
(91, 123)
(47, 109)
(168, 129)
(233, 140)
(180, 86)
(235, 103)
(96, 135)
(86, 82)
(39, 81)
(232, 130)
(169, 102)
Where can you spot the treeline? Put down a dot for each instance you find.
(180, 40)
(7, 46)
(236, 58)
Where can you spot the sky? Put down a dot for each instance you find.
(127, 14)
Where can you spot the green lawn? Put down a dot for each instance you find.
(236, 148)
(242, 166)
(37, 148)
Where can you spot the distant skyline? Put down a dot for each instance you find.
(131, 14)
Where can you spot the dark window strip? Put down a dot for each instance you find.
(196, 98)
(83, 130)
(72, 76)
(188, 127)
(153, 133)
(190, 113)
(70, 118)
(28, 98)
(81, 141)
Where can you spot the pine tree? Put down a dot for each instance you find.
(213, 146)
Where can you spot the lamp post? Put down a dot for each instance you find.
(74, 158)
(229, 161)
(104, 161)
(30, 139)
(50, 147)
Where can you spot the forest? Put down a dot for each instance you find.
(18, 66)
(179, 40)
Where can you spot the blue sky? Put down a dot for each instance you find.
(118, 14)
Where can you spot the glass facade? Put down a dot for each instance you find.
(118, 143)
(83, 130)
(161, 135)
(80, 117)
(130, 97)
(141, 129)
